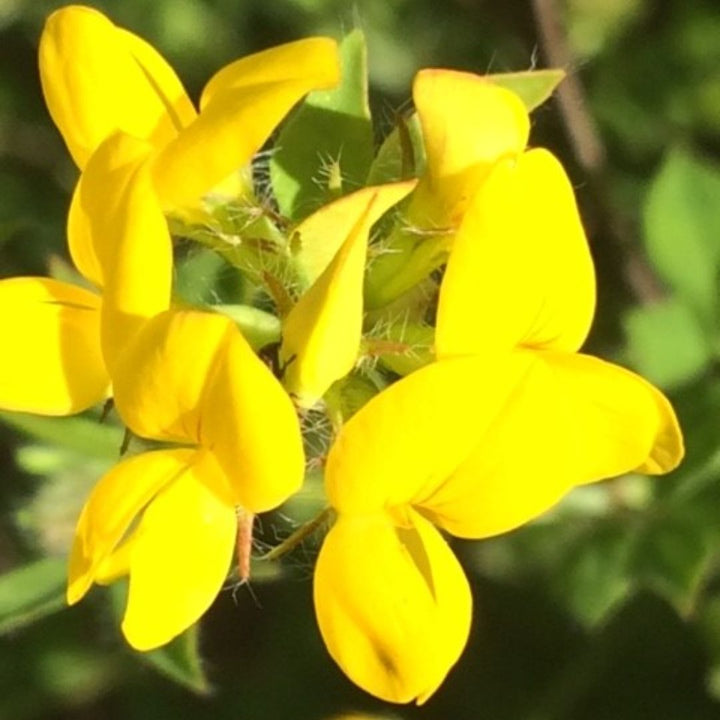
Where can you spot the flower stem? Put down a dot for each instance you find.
(304, 531)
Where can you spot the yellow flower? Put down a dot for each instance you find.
(468, 124)
(144, 150)
(508, 420)
(99, 79)
(61, 339)
(188, 378)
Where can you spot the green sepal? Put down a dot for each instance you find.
(533, 87)
(347, 396)
(31, 592)
(402, 346)
(401, 155)
(326, 148)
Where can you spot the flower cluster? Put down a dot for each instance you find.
(490, 426)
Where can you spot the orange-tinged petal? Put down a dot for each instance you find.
(468, 123)
(392, 603)
(520, 271)
(51, 362)
(573, 419)
(223, 139)
(322, 333)
(320, 236)
(113, 504)
(414, 434)
(98, 79)
(161, 379)
(312, 60)
(250, 424)
(180, 558)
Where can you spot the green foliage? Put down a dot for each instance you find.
(326, 148)
(682, 230)
(180, 661)
(666, 342)
(31, 592)
(83, 434)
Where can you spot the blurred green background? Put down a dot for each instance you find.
(606, 608)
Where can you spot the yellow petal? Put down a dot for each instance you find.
(118, 229)
(320, 236)
(250, 423)
(322, 333)
(139, 286)
(520, 271)
(98, 203)
(393, 605)
(117, 564)
(223, 139)
(80, 242)
(51, 362)
(468, 123)
(192, 377)
(113, 504)
(573, 419)
(98, 79)
(404, 442)
(166, 85)
(180, 558)
(161, 379)
(312, 60)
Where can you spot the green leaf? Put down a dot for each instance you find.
(533, 86)
(180, 662)
(402, 154)
(666, 343)
(32, 592)
(326, 147)
(592, 576)
(682, 230)
(81, 433)
(671, 554)
(645, 662)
